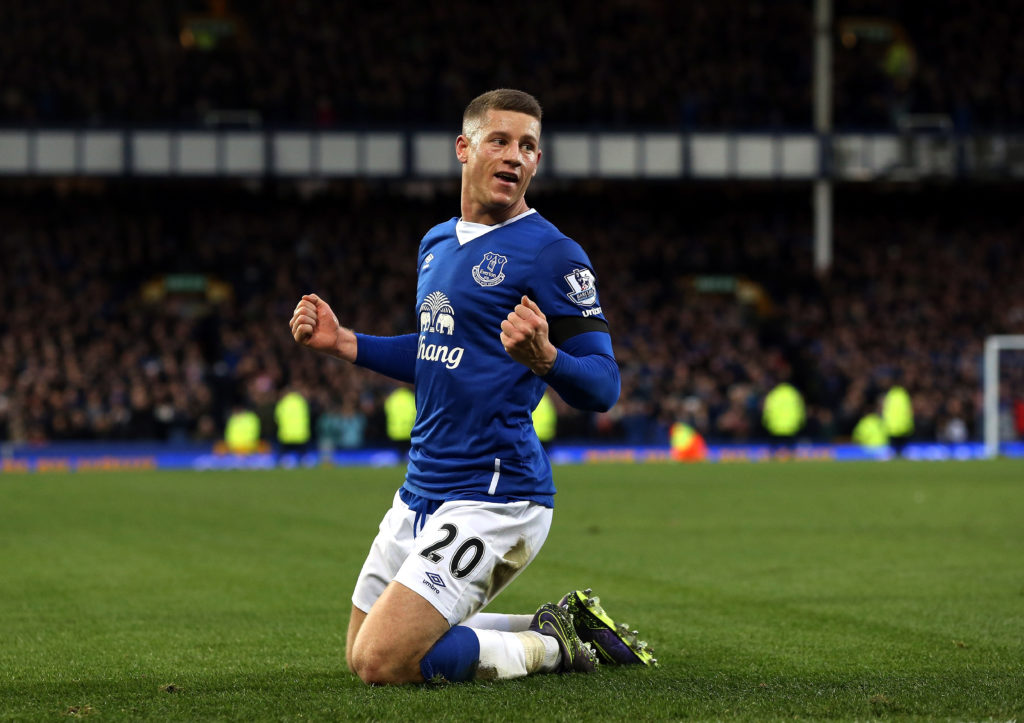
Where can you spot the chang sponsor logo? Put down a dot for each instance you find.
(437, 316)
(451, 357)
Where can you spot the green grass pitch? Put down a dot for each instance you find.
(769, 591)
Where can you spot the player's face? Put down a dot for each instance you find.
(499, 160)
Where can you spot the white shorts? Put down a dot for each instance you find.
(466, 553)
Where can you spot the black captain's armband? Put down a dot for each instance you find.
(563, 328)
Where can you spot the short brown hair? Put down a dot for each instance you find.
(501, 99)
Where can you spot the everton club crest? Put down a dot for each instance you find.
(489, 271)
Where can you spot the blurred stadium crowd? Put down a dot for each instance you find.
(713, 64)
(148, 312)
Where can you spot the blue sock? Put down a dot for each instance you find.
(454, 657)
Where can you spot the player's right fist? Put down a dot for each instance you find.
(315, 325)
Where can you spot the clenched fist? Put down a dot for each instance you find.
(314, 325)
(524, 334)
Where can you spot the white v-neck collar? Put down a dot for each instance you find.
(466, 231)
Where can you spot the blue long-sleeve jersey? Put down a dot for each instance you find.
(474, 437)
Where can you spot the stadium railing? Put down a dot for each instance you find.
(572, 154)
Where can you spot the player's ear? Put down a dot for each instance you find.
(462, 148)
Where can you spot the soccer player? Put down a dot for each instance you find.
(505, 305)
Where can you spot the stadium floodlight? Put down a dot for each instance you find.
(993, 346)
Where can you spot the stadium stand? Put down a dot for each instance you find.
(963, 61)
(272, 62)
(148, 311)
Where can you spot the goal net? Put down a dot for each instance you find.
(1004, 391)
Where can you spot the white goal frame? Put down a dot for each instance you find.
(994, 345)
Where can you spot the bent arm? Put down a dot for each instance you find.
(584, 373)
(392, 356)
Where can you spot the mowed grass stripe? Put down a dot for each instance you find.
(768, 591)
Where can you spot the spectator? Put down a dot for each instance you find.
(545, 420)
(342, 429)
(242, 434)
(916, 286)
(898, 415)
(400, 411)
(784, 413)
(292, 416)
(870, 431)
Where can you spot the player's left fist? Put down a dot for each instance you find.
(524, 334)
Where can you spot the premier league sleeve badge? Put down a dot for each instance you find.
(584, 290)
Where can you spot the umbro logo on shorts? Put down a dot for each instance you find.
(433, 582)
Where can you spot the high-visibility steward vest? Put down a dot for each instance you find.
(686, 443)
(783, 410)
(870, 432)
(292, 417)
(242, 433)
(545, 419)
(898, 412)
(400, 414)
